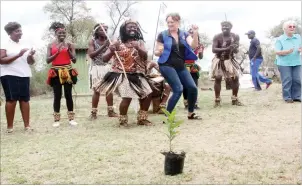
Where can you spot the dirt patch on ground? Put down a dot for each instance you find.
(258, 143)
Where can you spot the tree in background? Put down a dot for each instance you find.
(204, 38)
(118, 12)
(242, 57)
(75, 15)
(268, 66)
(269, 55)
(277, 30)
(79, 26)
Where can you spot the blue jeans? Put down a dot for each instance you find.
(256, 76)
(291, 82)
(177, 79)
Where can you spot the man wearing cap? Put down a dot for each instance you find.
(256, 59)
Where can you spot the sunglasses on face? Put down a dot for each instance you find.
(291, 26)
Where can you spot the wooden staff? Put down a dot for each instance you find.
(116, 54)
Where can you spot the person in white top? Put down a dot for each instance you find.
(15, 73)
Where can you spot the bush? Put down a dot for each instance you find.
(38, 84)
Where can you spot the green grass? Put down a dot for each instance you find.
(258, 143)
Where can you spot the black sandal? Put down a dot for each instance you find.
(195, 117)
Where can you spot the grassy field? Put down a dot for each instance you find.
(259, 143)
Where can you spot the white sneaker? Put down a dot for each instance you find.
(9, 131)
(56, 124)
(72, 123)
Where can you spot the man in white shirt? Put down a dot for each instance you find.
(15, 74)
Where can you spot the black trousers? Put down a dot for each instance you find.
(57, 91)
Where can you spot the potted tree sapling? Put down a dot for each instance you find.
(174, 162)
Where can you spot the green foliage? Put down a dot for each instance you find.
(203, 37)
(66, 11)
(204, 40)
(269, 55)
(75, 15)
(172, 125)
(38, 84)
(83, 29)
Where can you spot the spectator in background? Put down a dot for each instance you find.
(256, 59)
(15, 75)
(288, 50)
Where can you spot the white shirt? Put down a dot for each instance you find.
(19, 67)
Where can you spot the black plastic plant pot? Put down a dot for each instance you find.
(174, 163)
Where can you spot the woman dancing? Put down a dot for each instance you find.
(173, 47)
(97, 47)
(60, 54)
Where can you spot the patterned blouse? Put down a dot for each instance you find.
(97, 60)
(131, 60)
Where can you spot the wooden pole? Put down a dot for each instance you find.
(156, 30)
(116, 54)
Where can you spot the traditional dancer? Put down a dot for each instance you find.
(225, 45)
(160, 88)
(60, 53)
(133, 55)
(173, 47)
(194, 69)
(97, 47)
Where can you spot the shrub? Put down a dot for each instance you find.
(38, 84)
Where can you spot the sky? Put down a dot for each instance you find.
(245, 15)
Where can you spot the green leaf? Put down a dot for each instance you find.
(177, 124)
(171, 124)
(167, 113)
(173, 138)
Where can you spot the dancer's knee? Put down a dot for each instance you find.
(178, 90)
(192, 88)
(218, 79)
(68, 95)
(167, 88)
